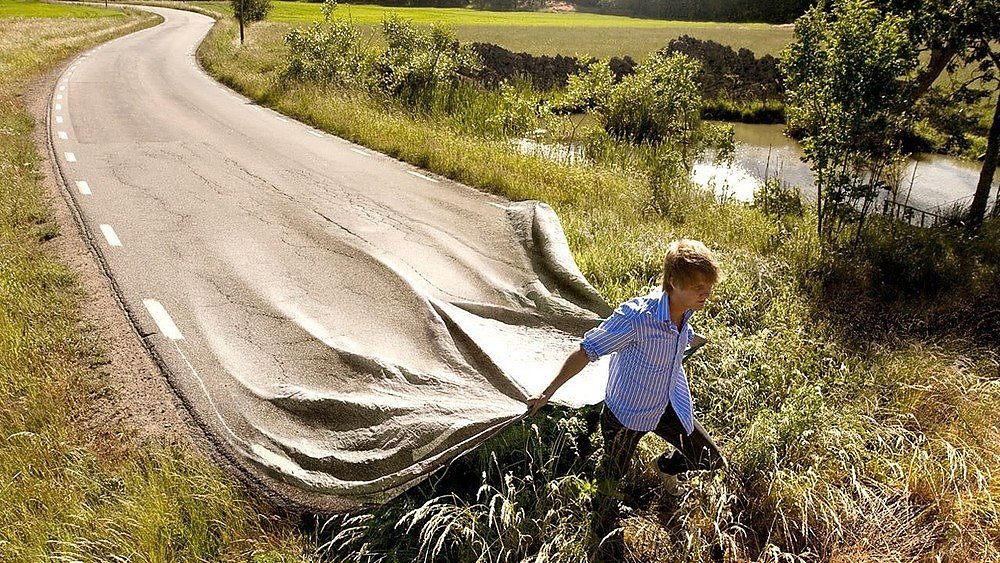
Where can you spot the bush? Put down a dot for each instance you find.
(419, 66)
(327, 54)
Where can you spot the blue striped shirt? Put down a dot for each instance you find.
(645, 374)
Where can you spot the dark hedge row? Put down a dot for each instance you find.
(725, 73)
(545, 72)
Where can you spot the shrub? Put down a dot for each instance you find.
(420, 66)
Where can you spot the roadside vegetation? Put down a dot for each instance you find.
(852, 377)
(68, 492)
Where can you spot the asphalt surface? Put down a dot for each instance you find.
(339, 322)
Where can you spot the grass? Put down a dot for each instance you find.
(68, 492)
(34, 9)
(840, 446)
(543, 33)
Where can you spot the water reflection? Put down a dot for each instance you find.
(929, 182)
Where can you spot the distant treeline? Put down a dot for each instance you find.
(771, 11)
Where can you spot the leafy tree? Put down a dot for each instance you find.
(250, 11)
(953, 33)
(845, 78)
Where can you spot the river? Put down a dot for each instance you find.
(930, 182)
(939, 182)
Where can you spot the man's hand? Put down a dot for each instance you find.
(536, 402)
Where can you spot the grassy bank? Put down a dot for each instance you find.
(841, 446)
(67, 492)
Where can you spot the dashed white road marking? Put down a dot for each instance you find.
(70, 157)
(63, 135)
(361, 152)
(162, 319)
(58, 107)
(84, 187)
(419, 175)
(62, 88)
(59, 97)
(315, 134)
(110, 235)
(58, 119)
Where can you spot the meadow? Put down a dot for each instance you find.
(68, 492)
(542, 33)
(848, 438)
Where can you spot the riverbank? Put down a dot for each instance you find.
(97, 462)
(839, 445)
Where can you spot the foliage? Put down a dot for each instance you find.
(515, 112)
(251, 10)
(776, 11)
(329, 52)
(844, 74)
(418, 65)
(247, 11)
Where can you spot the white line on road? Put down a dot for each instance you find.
(84, 187)
(58, 107)
(504, 207)
(70, 157)
(59, 97)
(110, 235)
(162, 319)
(279, 118)
(315, 134)
(62, 88)
(419, 175)
(63, 135)
(359, 151)
(58, 119)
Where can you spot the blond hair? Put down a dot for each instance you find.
(687, 260)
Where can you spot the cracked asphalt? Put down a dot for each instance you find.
(343, 327)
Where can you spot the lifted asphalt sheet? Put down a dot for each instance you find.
(339, 323)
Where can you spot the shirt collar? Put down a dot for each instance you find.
(662, 311)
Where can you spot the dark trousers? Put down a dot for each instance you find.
(694, 451)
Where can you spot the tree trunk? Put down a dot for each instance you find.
(940, 57)
(241, 31)
(977, 210)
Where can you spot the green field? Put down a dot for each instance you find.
(544, 33)
(30, 9)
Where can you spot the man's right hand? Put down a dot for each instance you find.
(536, 402)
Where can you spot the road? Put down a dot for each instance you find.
(339, 322)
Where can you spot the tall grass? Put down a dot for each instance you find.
(67, 492)
(841, 446)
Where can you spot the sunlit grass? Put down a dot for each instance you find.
(544, 33)
(840, 447)
(67, 492)
(35, 9)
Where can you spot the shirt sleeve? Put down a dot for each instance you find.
(612, 335)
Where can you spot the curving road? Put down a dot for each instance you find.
(339, 322)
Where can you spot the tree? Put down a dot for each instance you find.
(953, 33)
(846, 74)
(250, 11)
